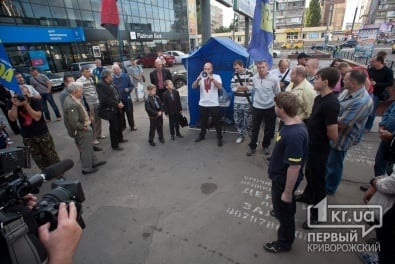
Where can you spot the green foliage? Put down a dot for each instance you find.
(313, 14)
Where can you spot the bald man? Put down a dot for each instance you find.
(159, 76)
(283, 73)
(303, 90)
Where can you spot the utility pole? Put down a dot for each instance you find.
(274, 21)
(329, 21)
(206, 20)
(353, 21)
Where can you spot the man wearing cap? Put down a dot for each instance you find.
(303, 58)
(43, 85)
(159, 76)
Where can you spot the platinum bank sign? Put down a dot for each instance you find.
(145, 36)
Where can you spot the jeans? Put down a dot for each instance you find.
(48, 97)
(334, 169)
(285, 213)
(372, 116)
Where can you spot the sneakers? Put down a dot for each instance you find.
(239, 140)
(96, 142)
(274, 247)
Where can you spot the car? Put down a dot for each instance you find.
(349, 44)
(55, 79)
(276, 53)
(179, 55)
(179, 78)
(149, 60)
(323, 47)
(293, 44)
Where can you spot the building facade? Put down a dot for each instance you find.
(289, 14)
(69, 31)
(332, 12)
(216, 18)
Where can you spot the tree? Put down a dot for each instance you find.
(313, 14)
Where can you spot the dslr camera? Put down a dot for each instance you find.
(18, 223)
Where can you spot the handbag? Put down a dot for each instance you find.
(182, 120)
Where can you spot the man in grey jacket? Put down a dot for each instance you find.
(77, 122)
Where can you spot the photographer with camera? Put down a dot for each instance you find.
(209, 85)
(34, 130)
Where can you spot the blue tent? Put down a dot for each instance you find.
(221, 52)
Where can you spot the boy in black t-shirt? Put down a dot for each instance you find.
(285, 169)
(322, 127)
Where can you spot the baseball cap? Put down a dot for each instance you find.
(33, 68)
(303, 55)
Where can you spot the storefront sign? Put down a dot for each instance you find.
(23, 34)
(144, 36)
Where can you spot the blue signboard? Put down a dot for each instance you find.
(38, 59)
(24, 34)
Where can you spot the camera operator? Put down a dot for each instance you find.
(209, 85)
(60, 243)
(34, 130)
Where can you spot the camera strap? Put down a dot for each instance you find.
(20, 247)
(245, 92)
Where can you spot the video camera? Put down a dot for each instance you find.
(19, 224)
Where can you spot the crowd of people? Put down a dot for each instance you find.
(323, 112)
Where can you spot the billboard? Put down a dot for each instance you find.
(245, 7)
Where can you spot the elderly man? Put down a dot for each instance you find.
(283, 73)
(159, 76)
(97, 71)
(92, 99)
(303, 90)
(125, 87)
(265, 86)
(77, 122)
(312, 66)
(111, 104)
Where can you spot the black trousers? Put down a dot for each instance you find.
(315, 172)
(268, 116)
(285, 213)
(386, 237)
(174, 124)
(128, 111)
(215, 113)
(155, 124)
(116, 129)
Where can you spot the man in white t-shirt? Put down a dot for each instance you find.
(209, 85)
(283, 73)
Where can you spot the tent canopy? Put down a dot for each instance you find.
(221, 52)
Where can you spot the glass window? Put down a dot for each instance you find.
(72, 3)
(141, 10)
(95, 5)
(73, 14)
(56, 3)
(27, 8)
(43, 2)
(41, 11)
(85, 5)
(87, 16)
(96, 16)
(149, 11)
(58, 12)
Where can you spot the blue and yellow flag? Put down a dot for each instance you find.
(262, 33)
(7, 73)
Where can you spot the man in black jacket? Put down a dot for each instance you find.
(110, 108)
(381, 77)
(159, 76)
